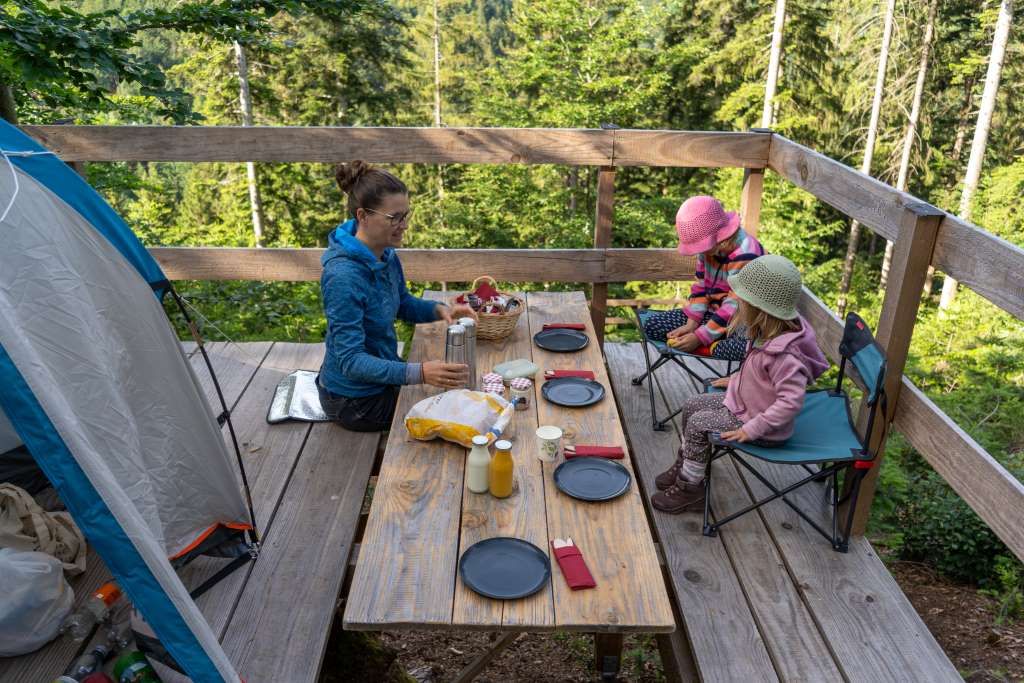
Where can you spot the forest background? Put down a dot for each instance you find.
(681, 64)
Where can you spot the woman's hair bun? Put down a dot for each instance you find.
(348, 174)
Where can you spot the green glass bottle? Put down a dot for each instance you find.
(133, 667)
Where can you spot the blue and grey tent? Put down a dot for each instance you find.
(94, 383)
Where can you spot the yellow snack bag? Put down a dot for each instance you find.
(458, 416)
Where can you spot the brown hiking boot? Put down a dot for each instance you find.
(679, 497)
(669, 476)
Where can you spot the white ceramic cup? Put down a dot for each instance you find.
(549, 443)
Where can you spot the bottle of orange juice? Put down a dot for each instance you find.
(501, 468)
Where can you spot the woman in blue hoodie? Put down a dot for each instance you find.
(363, 291)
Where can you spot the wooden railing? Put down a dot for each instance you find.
(923, 234)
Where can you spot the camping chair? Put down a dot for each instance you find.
(666, 354)
(824, 442)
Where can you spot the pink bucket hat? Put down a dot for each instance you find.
(701, 223)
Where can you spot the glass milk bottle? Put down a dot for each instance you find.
(478, 466)
(501, 476)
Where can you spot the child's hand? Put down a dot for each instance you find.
(686, 343)
(686, 329)
(737, 435)
(721, 382)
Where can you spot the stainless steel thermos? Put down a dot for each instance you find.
(455, 345)
(470, 325)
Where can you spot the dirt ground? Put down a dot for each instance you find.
(966, 625)
(965, 622)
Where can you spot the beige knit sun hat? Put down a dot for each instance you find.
(771, 283)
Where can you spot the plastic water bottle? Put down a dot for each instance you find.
(89, 663)
(81, 622)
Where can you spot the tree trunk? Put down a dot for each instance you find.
(869, 151)
(437, 95)
(250, 168)
(908, 139)
(8, 107)
(988, 105)
(767, 113)
(485, 33)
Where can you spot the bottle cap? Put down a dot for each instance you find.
(503, 445)
(456, 335)
(108, 593)
(479, 440)
(467, 322)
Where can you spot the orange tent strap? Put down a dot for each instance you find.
(206, 534)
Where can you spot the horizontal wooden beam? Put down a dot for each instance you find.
(587, 147)
(685, 148)
(984, 484)
(574, 147)
(988, 264)
(872, 202)
(984, 262)
(434, 265)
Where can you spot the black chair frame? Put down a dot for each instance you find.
(677, 358)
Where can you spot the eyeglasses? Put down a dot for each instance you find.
(396, 219)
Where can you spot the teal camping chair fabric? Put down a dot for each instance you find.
(824, 441)
(666, 354)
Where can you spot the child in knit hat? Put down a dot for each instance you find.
(722, 247)
(763, 398)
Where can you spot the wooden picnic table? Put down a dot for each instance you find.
(423, 518)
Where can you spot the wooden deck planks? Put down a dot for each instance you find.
(794, 643)
(521, 515)
(724, 636)
(280, 627)
(614, 536)
(405, 576)
(860, 609)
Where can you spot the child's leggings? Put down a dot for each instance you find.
(702, 414)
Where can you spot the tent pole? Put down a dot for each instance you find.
(255, 536)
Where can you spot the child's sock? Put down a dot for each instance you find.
(693, 471)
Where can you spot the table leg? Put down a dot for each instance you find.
(608, 655)
(480, 663)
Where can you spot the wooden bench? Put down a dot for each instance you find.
(308, 482)
(768, 599)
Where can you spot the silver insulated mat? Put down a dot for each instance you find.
(296, 398)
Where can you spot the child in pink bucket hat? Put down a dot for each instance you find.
(722, 248)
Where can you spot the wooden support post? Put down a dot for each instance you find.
(750, 197)
(602, 240)
(608, 655)
(912, 255)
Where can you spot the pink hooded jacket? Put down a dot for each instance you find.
(768, 391)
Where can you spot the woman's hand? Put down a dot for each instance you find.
(737, 435)
(721, 382)
(449, 314)
(445, 375)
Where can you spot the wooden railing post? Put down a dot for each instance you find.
(602, 240)
(750, 197)
(915, 243)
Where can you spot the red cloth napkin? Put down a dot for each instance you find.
(579, 451)
(564, 326)
(574, 568)
(484, 290)
(555, 374)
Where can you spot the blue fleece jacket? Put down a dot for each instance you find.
(362, 296)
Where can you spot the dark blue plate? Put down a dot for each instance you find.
(572, 392)
(561, 340)
(592, 479)
(504, 568)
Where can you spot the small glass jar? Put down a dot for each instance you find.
(522, 390)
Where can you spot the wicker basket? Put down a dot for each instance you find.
(496, 326)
